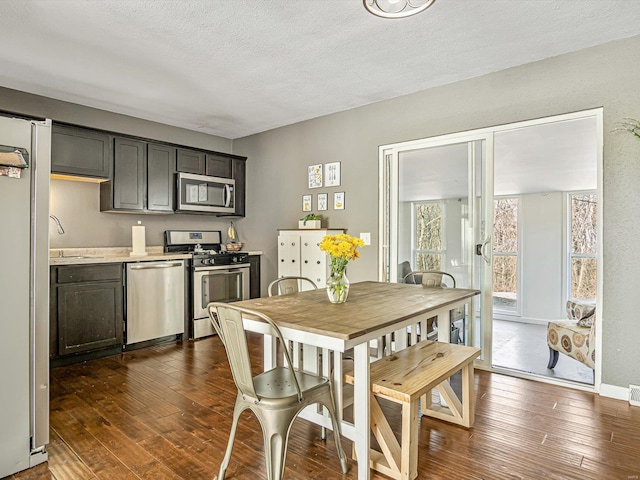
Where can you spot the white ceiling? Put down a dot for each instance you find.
(552, 157)
(238, 67)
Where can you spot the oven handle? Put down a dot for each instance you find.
(221, 267)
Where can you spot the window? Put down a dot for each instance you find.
(428, 238)
(583, 245)
(505, 254)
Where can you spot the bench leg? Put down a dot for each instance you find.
(409, 468)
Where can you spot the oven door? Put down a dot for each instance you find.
(224, 283)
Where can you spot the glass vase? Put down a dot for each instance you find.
(337, 287)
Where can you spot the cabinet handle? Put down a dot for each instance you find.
(282, 243)
(306, 261)
(318, 262)
(282, 260)
(293, 261)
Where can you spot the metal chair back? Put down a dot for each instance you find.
(289, 285)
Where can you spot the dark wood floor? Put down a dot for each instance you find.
(164, 412)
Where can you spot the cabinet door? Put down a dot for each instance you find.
(190, 161)
(313, 260)
(89, 316)
(254, 276)
(161, 167)
(81, 152)
(288, 255)
(238, 168)
(129, 174)
(218, 166)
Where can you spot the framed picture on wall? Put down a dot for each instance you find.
(306, 203)
(338, 201)
(323, 201)
(332, 174)
(315, 176)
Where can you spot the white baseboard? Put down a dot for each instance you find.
(613, 391)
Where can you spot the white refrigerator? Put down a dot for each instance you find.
(24, 298)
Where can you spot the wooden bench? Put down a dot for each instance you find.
(404, 377)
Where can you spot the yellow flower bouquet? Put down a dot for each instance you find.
(341, 248)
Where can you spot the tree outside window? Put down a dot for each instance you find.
(505, 254)
(584, 245)
(428, 235)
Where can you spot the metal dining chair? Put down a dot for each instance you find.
(438, 279)
(276, 397)
(288, 285)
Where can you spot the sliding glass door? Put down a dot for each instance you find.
(436, 218)
(511, 211)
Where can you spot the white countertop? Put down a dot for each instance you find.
(81, 256)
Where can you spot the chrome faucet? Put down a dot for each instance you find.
(58, 224)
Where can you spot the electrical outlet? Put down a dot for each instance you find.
(366, 237)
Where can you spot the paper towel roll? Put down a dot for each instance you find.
(138, 241)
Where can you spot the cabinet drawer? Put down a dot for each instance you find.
(89, 273)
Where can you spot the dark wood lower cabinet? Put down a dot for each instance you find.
(86, 311)
(254, 276)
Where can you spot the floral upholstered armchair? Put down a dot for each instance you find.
(576, 336)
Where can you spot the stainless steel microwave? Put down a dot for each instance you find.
(204, 194)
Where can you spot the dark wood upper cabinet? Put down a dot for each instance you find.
(143, 177)
(218, 166)
(129, 174)
(80, 152)
(238, 173)
(161, 168)
(190, 161)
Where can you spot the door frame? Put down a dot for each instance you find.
(388, 208)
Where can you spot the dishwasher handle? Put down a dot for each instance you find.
(155, 265)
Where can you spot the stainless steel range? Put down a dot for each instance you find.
(216, 276)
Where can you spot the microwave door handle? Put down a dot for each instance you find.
(227, 194)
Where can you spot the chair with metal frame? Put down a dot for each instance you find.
(436, 279)
(276, 397)
(289, 285)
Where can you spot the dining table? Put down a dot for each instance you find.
(378, 318)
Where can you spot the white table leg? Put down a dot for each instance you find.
(269, 353)
(361, 411)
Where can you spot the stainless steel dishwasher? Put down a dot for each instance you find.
(155, 300)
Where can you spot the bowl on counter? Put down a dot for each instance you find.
(234, 247)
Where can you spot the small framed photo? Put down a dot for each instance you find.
(332, 174)
(323, 201)
(315, 176)
(338, 201)
(306, 203)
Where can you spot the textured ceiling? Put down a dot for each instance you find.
(237, 67)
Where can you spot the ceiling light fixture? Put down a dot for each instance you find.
(396, 8)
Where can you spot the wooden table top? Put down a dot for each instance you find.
(370, 306)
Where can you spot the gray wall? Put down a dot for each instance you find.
(604, 76)
(77, 204)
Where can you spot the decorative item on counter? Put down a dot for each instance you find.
(310, 221)
(138, 241)
(233, 245)
(341, 248)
